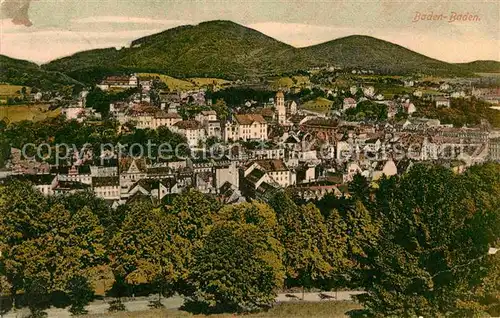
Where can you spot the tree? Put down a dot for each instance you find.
(36, 293)
(435, 231)
(221, 109)
(304, 236)
(42, 243)
(80, 293)
(20, 209)
(192, 211)
(359, 189)
(337, 253)
(234, 270)
(238, 265)
(141, 251)
(99, 100)
(110, 219)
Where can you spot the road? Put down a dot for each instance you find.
(141, 304)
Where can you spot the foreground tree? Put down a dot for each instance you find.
(238, 267)
(188, 218)
(141, 251)
(42, 244)
(232, 271)
(303, 233)
(80, 293)
(432, 251)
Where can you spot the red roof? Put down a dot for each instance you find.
(248, 119)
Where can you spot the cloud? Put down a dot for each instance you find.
(42, 45)
(45, 45)
(17, 11)
(126, 20)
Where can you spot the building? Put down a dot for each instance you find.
(214, 129)
(79, 113)
(80, 174)
(162, 118)
(45, 183)
(246, 127)
(408, 107)
(119, 82)
(206, 116)
(494, 149)
(348, 103)
(107, 188)
(192, 130)
(275, 170)
(151, 119)
(146, 82)
(442, 101)
(280, 107)
(291, 107)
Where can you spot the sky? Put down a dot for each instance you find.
(63, 27)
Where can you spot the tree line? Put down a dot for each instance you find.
(462, 112)
(417, 244)
(58, 131)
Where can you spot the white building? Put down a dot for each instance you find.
(79, 113)
(442, 101)
(349, 103)
(119, 82)
(192, 130)
(272, 171)
(147, 120)
(280, 108)
(206, 116)
(246, 127)
(107, 188)
(369, 91)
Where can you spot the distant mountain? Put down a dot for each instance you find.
(481, 66)
(20, 72)
(211, 49)
(224, 49)
(358, 51)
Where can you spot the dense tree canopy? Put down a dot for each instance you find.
(468, 112)
(436, 228)
(238, 267)
(416, 243)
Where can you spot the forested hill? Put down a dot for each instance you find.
(20, 72)
(225, 49)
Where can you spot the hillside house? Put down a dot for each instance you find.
(246, 127)
(192, 130)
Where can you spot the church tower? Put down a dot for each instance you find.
(280, 107)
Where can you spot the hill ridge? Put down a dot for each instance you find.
(225, 49)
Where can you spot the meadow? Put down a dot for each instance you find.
(16, 113)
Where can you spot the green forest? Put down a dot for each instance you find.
(417, 244)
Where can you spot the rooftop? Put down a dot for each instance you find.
(272, 165)
(188, 124)
(105, 181)
(248, 119)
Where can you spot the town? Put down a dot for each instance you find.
(218, 169)
(313, 147)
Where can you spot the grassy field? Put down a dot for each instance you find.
(172, 82)
(327, 309)
(200, 81)
(390, 90)
(287, 82)
(489, 74)
(190, 83)
(17, 113)
(7, 91)
(319, 105)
